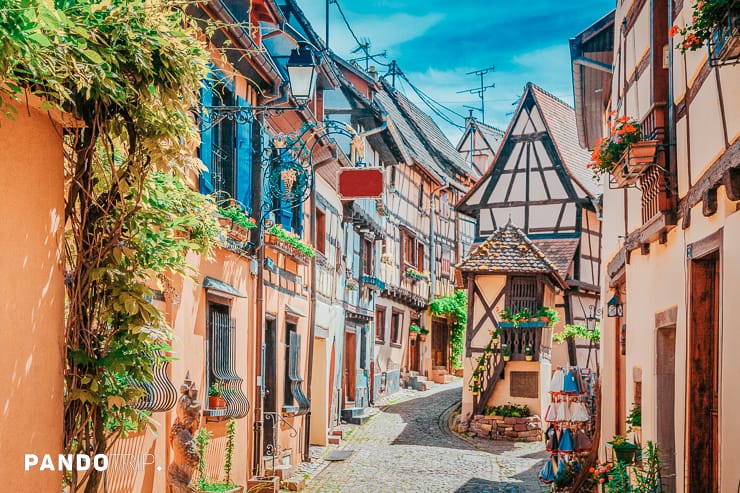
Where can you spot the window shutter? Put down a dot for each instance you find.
(206, 141)
(243, 187)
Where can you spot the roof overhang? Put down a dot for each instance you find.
(591, 54)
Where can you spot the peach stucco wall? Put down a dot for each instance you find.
(31, 297)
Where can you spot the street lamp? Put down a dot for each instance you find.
(591, 318)
(301, 68)
(614, 307)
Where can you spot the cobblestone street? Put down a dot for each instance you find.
(408, 447)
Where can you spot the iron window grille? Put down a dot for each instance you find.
(222, 363)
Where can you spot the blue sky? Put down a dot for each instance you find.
(436, 42)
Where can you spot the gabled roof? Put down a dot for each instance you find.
(561, 251)
(509, 251)
(560, 119)
(491, 136)
(423, 138)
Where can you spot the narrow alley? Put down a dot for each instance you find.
(408, 447)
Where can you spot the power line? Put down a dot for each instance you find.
(364, 46)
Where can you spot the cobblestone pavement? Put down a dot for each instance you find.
(408, 447)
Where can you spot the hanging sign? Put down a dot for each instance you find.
(360, 183)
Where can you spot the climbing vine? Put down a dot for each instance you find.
(128, 72)
(455, 306)
(577, 332)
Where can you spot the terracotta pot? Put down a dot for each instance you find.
(224, 221)
(238, 233)
(216, 402)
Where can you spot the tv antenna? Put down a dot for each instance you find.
(480, 91)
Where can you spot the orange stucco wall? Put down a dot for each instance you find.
(31, 297)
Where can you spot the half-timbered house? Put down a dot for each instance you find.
(478, 145)
(424, 238)
(539, 183)
(671, 230)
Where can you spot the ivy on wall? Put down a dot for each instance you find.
(455, 306)
(129, 72)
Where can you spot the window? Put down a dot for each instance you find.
(446, 262)
(380, 323)
(221, 361)
(421, 195)
(294, 400)
(407, 249)
(396, 321)
(524, 293)
(419, 256)
(226, 148)
(367, 257)
(288, 400)
(320, 231)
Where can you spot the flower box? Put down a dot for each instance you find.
(372, 282)
(724, 40)
(637, 158)
(506, 325)
(532, 324)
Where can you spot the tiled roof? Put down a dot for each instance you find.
(508, 250)
(560, 251)
(422, 136)
(493, 135)
(560, 119)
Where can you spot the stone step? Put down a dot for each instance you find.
(334, 440)
(358, 419)
(422, 385)
(349, 412)
(337, 432)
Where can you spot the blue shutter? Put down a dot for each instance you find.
(206, 141)
(243, 179)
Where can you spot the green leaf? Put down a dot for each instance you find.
(93, 56)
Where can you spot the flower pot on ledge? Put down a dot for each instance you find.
(236, 489)
(637, 158)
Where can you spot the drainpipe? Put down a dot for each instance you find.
(672, 166)
(259, 306)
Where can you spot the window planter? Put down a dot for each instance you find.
(372, 282)
(637, 158)
(532, 324)
(724, 40)
(415, 275)
(216, 402)
(283, 246)
(507, 325)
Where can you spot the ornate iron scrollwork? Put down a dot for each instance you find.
(161, 394)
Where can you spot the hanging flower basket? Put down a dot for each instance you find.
(637, 158)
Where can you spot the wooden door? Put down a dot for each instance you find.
(665, 403)
(440, 343)
(414, 348)
(703, 412)
(350, 372)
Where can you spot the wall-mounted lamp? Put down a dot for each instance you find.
(614, 307)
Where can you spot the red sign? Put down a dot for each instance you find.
(360, 183)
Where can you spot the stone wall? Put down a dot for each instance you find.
(500, 428)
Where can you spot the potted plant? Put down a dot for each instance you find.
(414, 331)
(351, 285)
(495, 335)
(216, 396)
(716, 21)
(634, 420)
(528, 353)
(505, 352)
(423, 334)
(509, 319)
(239, 221)
(548, 315)
(623, 450)
(623, 154)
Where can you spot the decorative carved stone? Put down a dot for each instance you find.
(182, 439)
